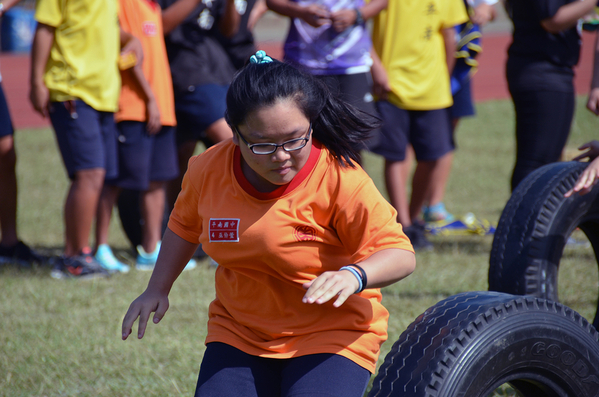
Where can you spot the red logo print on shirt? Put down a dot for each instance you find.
(149, 28)
(224, 230)
(304, 233)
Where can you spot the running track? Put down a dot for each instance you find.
(489, 82)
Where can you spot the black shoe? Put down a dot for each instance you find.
(415, 233)
(20, 254)
(82, 266)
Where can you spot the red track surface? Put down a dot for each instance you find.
(489, 82)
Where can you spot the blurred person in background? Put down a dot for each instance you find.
(330, 40)
(540, 71)
(75, 81)
(12, 249)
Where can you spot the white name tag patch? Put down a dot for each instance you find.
(224, 230)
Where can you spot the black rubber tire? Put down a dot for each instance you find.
(471, 343)
(534, 227)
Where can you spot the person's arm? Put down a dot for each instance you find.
(314, 14)
(39, 94)
(174, 254)
(450, 47)
(153, 125)
(590, 176)
(229, 23)
(176, 13)
(380, 79)
(593, 101)
(567, 16)
(345, 18)
(257, 12)
(7, 5)
(382, 268)
(586, 180)
(484, 13)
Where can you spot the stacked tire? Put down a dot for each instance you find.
(534, 228)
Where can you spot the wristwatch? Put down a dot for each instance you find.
(359, 17)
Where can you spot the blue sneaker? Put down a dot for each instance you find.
(146, 261)
(108, 261)
(436, 213)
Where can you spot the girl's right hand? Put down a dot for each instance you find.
(141, 307)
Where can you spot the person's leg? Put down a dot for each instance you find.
(184, 152)
(8, 178)
(152, 212)
(8, 192)
(543, 121)
(80, 209)
(392, 145)
(219, 131)
(323, 375)
(227, 371)
(108, 199)
(431, 139)
(396, 185)
(87, 141)
(427, 177)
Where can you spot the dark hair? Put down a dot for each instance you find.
(338, 125)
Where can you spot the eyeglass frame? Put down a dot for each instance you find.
(276, 145)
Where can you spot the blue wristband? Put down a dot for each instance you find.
(355, 273)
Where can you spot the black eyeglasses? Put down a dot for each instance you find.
(269, 148)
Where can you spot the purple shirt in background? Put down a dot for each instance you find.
(324, 51)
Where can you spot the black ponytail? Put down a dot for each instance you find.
(338, 125)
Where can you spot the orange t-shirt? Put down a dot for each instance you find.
(268, 244)
(143, 19)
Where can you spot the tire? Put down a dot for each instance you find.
(471, 343)
(534, 227)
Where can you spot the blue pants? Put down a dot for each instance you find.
(229, 372)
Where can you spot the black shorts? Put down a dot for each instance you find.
(428, 131)
(355, 89)
(144, 158)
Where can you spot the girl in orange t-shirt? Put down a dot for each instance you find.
(303, 239)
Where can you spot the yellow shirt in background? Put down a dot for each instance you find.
(83, 61)
(408, 38)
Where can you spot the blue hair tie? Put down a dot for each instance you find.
(260, 57)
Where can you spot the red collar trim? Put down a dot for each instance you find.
(152, 4)
(283, 189)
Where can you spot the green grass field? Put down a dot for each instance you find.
(62, 338)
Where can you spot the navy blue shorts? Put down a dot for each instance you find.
(144, 158)
(428, 131)
(86, 137)
(227, 371)
(5, 120)
(197, 110)
(462, 102)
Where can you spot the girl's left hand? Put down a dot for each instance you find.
(330, 284)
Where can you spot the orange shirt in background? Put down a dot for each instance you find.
(143, 19)
(268, 244)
